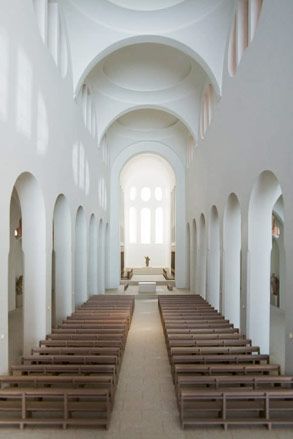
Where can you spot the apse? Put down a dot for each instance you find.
(147, 183)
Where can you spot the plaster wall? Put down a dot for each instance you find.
(251, 131)
(51, 162)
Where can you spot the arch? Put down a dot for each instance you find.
(15, 281)
(213, 265)
(101, 259)
(93, 257)
(106, 241)
(264, 195)
(33, 232)
(134, 107)
(114, 239)
(160, 39)
(61, 262)
(202, 257)
(193, 256)
(232, 260)
(80, 257)
(188, 271)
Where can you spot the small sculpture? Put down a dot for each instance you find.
(147, 261)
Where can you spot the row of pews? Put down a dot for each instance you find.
(220, 378)
(70, 379)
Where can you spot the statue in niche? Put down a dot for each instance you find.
(147, 261)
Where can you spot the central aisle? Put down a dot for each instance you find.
(145, 404)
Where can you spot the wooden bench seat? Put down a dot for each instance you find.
(70, 359)
(189, 337)
(224, 358)
(228, 381)
(58, 369)
(78, 406)
(102, 330)
(82, 343)
(86, 337)
(71, 381)
(177, 350)
(219, 342)
(77, 351)
(197, 325)
(226, 407)
(220, 369)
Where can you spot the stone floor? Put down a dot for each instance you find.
(145, 406)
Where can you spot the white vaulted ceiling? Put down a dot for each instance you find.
(147, 67)
(146, 5)
(147, 62)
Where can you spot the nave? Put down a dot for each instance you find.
(145, 402)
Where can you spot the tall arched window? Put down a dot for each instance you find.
(242, 25)
(159, 225)
(132, 193)
(145, 226)
(206, 109)
(145, 194)
(255, 9)
(132, 225)
(158, 193)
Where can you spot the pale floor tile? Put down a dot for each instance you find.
(145, 404)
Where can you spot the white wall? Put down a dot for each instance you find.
(247, 136)
(40, 123)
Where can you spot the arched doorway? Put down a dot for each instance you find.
(232, 260)
(61, 262)
(188, 247)
(107, 256)
(193, 257)
(15, 281)
(202, 257)
(213, 276)
(27, 204)
(178, 226)
(81, 293)
(93, 257)
(101, 258)
(266, 192)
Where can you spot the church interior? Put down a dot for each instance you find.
(146, 223)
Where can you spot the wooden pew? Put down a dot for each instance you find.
(70, 381)
(226, 407)
(90, 407)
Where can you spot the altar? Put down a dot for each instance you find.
(147, 287)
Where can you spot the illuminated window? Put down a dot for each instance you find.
(145, 194)
(159, 226)
(132, 225)
(4, 65)
(232, 57)
(206, 109)
(242, 28)
(255, 9)
(24, 94)
(80, 167)
(145, 226)
(158, 194)
(42, 126)
(132, 193)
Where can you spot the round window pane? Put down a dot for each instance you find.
(132, 193)
(145, 194)
(158, 194)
